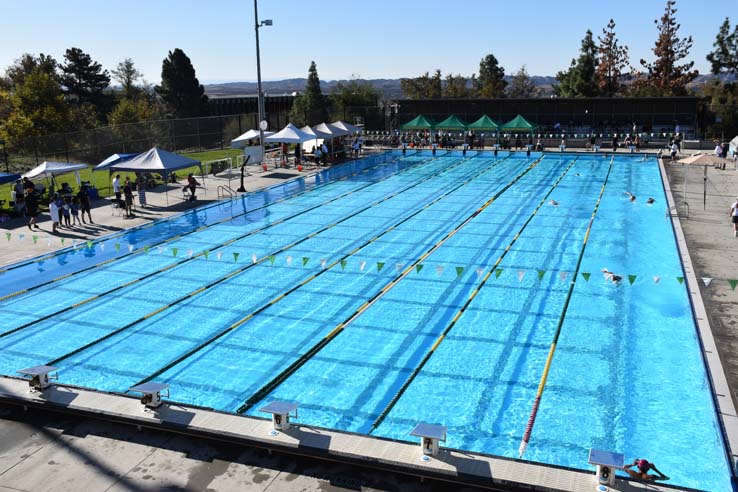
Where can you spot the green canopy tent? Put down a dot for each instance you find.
(452, 123)
(518, 124)
(484, 124)
(420, 122)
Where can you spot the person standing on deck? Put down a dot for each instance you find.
(734, 216)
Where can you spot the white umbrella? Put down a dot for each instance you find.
(347, 127)
(243, 140)
(290, 134)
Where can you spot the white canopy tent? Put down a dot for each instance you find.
(47, 169)
(158, 161)
(50, 169)
(112, 160)
(290, 134)
(331, 130)
(734, 145)
(347, 127)
(243, 140)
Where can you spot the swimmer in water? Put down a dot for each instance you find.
(554, 203)
(642, 469)
(631, 196)
(611, 276)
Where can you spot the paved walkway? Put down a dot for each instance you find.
(714, 251)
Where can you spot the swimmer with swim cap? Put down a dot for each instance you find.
(643, 467)
(611, 276)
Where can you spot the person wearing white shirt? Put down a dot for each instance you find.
(734, 216)
(116, 188)
(674, 150)
(718, 150)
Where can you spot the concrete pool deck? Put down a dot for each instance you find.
(702, 232)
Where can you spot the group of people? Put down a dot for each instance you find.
(66, 211)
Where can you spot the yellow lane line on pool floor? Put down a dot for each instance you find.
(552, 350)
(309, 279)
(383, 414)
(282, 376)
(238, 271)
(185, 260)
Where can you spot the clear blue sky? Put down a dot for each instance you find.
(369, 39)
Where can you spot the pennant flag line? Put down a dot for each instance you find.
(498, 272)
(289, 261)
(586, 276)
(130, 248)
(253, 258)
(656, 279)
(362, 264)
(323, 262)
(680, 280)
(541, 273)
(35, 239)
(272, 259)
(733, 283)
(418, 267)
(343, 264)
(235, 257)
(563, 275)
(219, 255)
(439, 270)
(706, 281)
(459, 271)
(631, 279)
(521, 274)
(206, 253)
(175, 251)
(305, 260)
(380, 265)
(479, 271)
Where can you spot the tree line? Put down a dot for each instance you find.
(40, 95)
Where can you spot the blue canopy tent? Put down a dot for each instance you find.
(8, 177)
(112, 160)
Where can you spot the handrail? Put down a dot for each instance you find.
(224, 189)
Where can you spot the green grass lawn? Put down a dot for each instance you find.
(102, 180)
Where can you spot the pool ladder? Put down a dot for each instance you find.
(225, 191)
(675, 209)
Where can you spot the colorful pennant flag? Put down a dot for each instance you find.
(439, 270)
(189, 253)
(253, 258)
(498, 272)
(175, 251)
(632, 278)
(62, 241)
(343, 264)
(656, 279)
(362, 264)
(380, 265)
(206, 253)
(479, 271)
(89, 244)
(541, 273)
(418, 267)
(680, 280)
(707, 281)
(521, 274)
(323, 262)
(733, 283)
(22, 237)
(35, 239)
(305, 260)
(219, 255)
(586, 276)
(7, 236)
(398, 267)
(289, 261)
(235, 257)
(146, 249)
(48, 242)
(102, 247)
(130, 248)
(272, 259)
(160, 249)
(563, 275)
(459, 271)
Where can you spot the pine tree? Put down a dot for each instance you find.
(491, 81)
(724, 59)
(612, 63)
(16, 74)
(579, 80)
(521, 85)
(126, 74)
(83, 78)
(312, 107)
(180, 89)
(665, 76)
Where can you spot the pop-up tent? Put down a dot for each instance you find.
(158, 161)
(517, 124)
(333, 131)
(420, 122)
(112, 160)
(453, 122)
(8, 177)
(484, 124)
(243, 140)
(347, 127)
(53, 168)
(290, 134)
(734, 145)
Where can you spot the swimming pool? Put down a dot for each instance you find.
(334, 292)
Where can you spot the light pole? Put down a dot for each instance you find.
(260, 103)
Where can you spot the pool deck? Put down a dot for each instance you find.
(714, 254)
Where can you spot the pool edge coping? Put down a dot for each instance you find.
(720, 389)
(455, 466)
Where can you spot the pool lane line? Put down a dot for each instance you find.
(199, 229)
(463, 308)
(178, 236)
(220, 280)
(552, 350)
(292, 368)
(312, 277)
(230, 241)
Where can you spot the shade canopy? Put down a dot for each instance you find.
(243, 140)
(517, 124)
(156, 160)
(734, 145)
(331, 130)
(420, 122)
(290, 134)
(112, 160)
(52, 169)
(8, 177)
(485, 123)
(703, 160)
(315, 133)
(351, 129)
(453, 122)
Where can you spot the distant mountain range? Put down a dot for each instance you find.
(387, 88)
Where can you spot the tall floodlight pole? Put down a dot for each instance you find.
(260, 103)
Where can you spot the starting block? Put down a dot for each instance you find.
(40, 378)
(151, 393)
(430, 435)
(281, 412)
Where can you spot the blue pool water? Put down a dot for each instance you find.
(219, 301)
